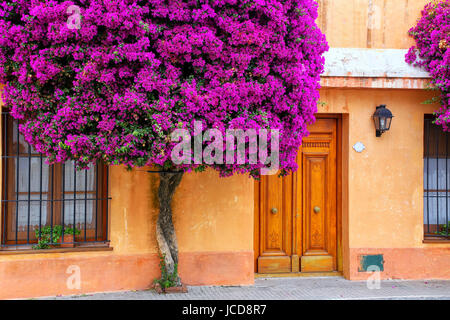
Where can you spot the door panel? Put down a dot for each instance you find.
(318, 163)
(275, 224)
(296, 216)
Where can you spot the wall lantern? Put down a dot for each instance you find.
(383, 118)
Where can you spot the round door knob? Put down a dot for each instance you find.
(316, 209)
(274, 210)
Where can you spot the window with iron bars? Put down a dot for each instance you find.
(436, 181)
(40, 199)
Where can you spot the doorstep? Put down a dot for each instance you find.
(299, 275)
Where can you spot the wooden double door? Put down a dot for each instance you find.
(296, 217)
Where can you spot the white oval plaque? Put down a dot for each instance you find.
(359, 147)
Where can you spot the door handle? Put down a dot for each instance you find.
(274, 210)
(316, 209)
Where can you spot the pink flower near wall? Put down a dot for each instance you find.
(114, 79)
(432, 35)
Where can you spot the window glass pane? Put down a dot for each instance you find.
(36, 210)
(435, 174)
(22, 143)
(35, 182)
(22, 174)
(81, 208)
(436, 200)
(83, 178)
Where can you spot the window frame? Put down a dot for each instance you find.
(56, 196)
(434, 152)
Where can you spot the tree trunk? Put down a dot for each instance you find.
(165, 232)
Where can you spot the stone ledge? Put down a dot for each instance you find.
(371, 68)
(370, 63)
(375, 83)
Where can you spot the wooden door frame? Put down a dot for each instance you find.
(339, 200)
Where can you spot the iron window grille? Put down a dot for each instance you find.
(37, 196)
(436, 181)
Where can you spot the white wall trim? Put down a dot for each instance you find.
(370, 63)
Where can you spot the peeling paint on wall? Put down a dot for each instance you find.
(380, 63)
(377, 69)
(374, 83)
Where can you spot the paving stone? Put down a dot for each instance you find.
(327, 288)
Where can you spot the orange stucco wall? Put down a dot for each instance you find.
(214, 223)
(210, 214)
(382, 207)
(385, 184)
(214, 217)
(369, 23)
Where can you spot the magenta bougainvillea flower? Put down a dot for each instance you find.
(432, 35)
(115, 83)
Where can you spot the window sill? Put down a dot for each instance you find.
(436, 240)
(97, 247)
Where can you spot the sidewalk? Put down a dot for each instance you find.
(327, 288)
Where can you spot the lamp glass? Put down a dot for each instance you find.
(382, 123)
(388, 123)
(377, 122)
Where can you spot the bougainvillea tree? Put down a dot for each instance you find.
(432, 36)
(111, 79)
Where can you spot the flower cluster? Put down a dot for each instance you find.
(432, 35)
(117, 86)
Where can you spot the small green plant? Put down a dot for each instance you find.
(50, 235)
(167, 279)
(443, 229)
